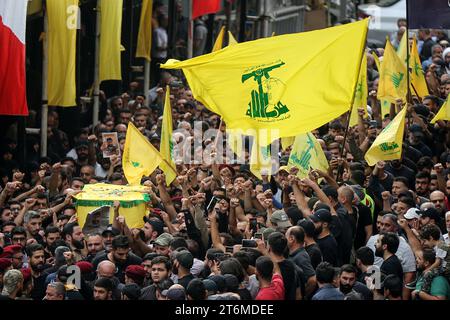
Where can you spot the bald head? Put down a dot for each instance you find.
(106, 269)
(438, 199)
(345, 194)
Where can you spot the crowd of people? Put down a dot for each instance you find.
(217, 232)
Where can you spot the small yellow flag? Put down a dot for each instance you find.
(392, 84)
(166, 146)
(286, 142)
(144, 40)
(360, 93)
(219, 40)
(307, 153)
(260, 160)
(388, 144)
(140, 158)
(377, 61)
(444, 112)
(402, 49)
(418, 82)
(62, 52)
(110, 33)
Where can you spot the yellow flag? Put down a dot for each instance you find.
(235, 142)
(402, 49)
(279, 82)
(388, 144)
(144, 40)
(392, 84)
(385, 107)
(360, 93)
(307, 153)
(286, 142)
(110, 33)
(260, 160)
(231, 39)
(140, 158)
(417, 75)
(444, 112)
(166, 145)
(62, 42)
(219, 40)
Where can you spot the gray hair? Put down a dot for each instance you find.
(393, 218)
(426, 205)
(447, 214)
(30, 215)
(59, 288)
(11, 280)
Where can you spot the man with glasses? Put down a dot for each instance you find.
(438, 199)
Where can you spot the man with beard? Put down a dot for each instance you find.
(36, 256)
(73, 235)
(52, 234)
(182, 264)
(82, 150)
(386, 247)
(94, 245)
(398, 169)
(32, 222)
(349, 285)
(447, 226)
(103, 289)
(160, 271)
(423, 184)
(327, 243)
(108, 235)
(438, 199)
(120, 255)
(153, 227)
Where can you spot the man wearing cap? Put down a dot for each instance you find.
(327, 243)
(162, 244)
(14, 252)
(279, 220)
(5, 265)
(181, 267)
(430, 216)
(135, 274)
(412, 216)
(108, 235)
(416, 137)
(153, 227)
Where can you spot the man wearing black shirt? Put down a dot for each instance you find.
(397, 169)
(311, 247)
(120, 255)
(37, 263)
(327, 243)
(386, 247)
(182, 265)
(292, 282)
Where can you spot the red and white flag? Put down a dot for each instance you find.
(13, 17)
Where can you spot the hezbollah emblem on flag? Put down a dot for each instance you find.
(263, 105)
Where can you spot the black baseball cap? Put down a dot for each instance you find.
(431, 213)
(112, 230)
(321, 215)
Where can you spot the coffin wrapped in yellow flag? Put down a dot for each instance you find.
(291, 83)
(133, 201)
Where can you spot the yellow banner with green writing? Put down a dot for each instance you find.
(388, 144)
(133, 202)
(307, 153)
(292, 83)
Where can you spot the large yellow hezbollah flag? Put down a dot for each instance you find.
(388, 145)
(144, 40)
(166, 146)
(292, 83)
(360, 93)
(444, 112)
(392, 84)
(62, 36)
(132, 200)
(140, 158)
(110, 33)
(307, 153)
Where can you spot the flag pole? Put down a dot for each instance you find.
(408, 78)
(147, 81)
(341, 151)
(190, 31)
(44, 111)
(96, 70)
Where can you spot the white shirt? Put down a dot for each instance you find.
(404, 254)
